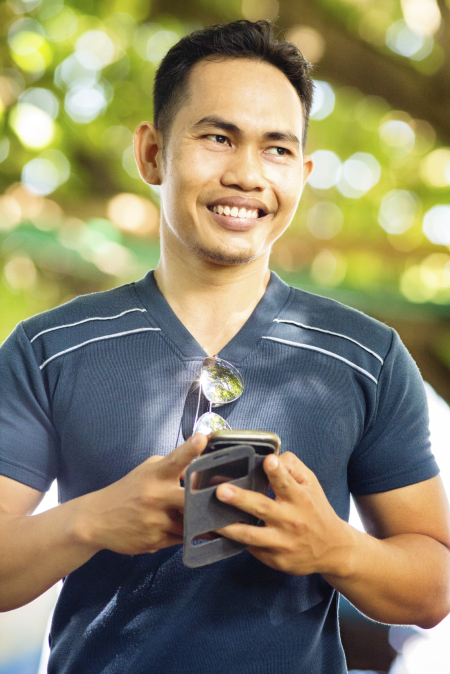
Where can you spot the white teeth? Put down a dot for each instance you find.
(236, 212)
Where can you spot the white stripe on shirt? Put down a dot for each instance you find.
(327, 353)
(328, 332)
(95, 339)
(86, 320)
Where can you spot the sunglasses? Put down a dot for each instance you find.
(221, 383)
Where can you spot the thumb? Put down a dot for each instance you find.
(174, 464)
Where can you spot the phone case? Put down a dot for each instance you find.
(203, 512)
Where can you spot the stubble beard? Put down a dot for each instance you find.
(223, 257)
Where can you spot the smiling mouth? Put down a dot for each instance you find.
(235, 212)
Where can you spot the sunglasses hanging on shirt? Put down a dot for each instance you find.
(219, 382)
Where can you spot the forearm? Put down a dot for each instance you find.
(37, 551)
(404, 579)
(142, 512)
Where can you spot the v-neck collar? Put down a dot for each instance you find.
(187, 347)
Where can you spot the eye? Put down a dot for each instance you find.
(217, 138)
(278, 151)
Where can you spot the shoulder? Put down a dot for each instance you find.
(85, 307)
(327, 316)
(333, 332)
(86, 320)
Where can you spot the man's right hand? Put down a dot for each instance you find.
(143, 511)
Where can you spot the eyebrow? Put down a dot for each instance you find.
(219, 123)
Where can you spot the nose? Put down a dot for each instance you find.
(244, 171)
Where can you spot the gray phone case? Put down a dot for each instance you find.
(203, 512)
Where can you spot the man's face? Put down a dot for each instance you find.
(233, 168)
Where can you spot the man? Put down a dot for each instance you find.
(94, 388)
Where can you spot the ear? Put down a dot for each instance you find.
(148, 152)
(308, 165)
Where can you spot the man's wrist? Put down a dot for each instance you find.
(342, 560)
(81, 526)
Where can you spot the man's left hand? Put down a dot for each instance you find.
(303, 534)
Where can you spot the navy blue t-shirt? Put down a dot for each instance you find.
(93, 388)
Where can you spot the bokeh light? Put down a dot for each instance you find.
(422, 16)
(97, 42)
(20, 273)
(435, 168)
(142, 35)
(40, 176)
(324, 220)
(10, 213)
(413, 287)
(21, 6)
(436, 224)
(43, 99)
(429, 280)
(407, 41)
(435, 271)
(398, 136)
(113, 258)
(62, 24)
(398, 211)
(260, 9)
(323, 101)
(34, 127)
(134, 214)
(11, 86)
(29, 48)
(4, 149)
(310, 42)
(159, 44)
(360, 173)
(328, 268)
(81, 68)
(84, 103)
(326, 171)
(45, 173)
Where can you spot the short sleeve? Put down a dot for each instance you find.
(395, 450)
(28, 441)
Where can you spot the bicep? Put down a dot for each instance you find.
(420, 508)
(17, 498)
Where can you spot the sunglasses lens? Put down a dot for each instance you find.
(210, 422)
(221, 382)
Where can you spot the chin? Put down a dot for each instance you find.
(223, 257)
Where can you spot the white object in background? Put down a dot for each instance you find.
(430, 653)
(22, 630)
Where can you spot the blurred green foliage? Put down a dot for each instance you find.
(76, 79)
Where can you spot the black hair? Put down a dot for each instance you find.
(240, 39)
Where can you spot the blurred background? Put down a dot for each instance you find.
(372, 230)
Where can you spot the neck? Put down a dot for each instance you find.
(213, 301)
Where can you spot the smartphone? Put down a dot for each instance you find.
(230, 456)
(263, 443)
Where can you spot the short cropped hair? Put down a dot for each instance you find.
(240, 39)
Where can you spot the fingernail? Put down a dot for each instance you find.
(274, 463)
(197, 440)
(225, 494)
